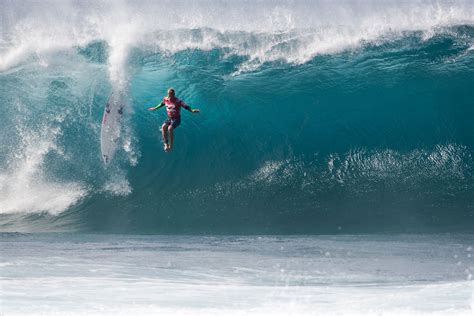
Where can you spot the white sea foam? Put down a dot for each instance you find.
(244, 275)
(24, 187)
(118, 184)
(271, 30)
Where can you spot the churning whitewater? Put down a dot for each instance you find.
(316, 117)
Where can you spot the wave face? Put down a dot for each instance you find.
(315, 117)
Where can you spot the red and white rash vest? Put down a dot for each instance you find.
(173, 107)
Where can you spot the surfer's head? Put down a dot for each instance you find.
(170, 92)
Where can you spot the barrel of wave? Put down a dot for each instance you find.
(111, 126)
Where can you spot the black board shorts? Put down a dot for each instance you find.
(173, 122)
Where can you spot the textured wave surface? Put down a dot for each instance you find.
(316, 117)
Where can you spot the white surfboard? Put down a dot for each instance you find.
(111, 126)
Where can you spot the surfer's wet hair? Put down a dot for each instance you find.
(171, 90)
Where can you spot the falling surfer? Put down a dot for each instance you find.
(173, 110)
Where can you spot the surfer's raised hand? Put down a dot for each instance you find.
(195, 111)
(151, 109)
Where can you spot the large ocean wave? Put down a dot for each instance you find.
(316, 117)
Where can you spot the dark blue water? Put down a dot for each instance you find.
(374, 134)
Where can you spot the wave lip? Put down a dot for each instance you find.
(297, 29)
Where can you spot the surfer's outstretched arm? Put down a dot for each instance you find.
(187, 107)
(162, 104)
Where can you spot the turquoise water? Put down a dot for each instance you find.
(347, 123)
(316, 117)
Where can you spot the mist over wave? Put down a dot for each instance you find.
(316, 116)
